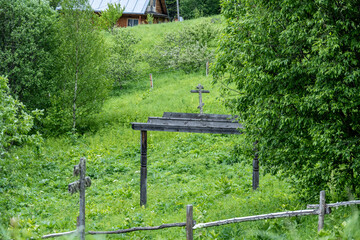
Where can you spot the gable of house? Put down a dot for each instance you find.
(135, 11)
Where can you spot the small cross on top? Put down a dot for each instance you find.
(200, 91)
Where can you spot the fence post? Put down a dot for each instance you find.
(255, 178)
(322, 208)
(189, 222)
(81, 227)
(207, 68)
(143, 169)
(151, 81)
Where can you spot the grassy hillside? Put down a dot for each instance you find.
(205, 170)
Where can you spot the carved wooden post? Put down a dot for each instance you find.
(81, 228)
(322, 208)
(143, 170)
(189, 222)
(255, 179)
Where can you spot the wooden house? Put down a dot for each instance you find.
(135, 11)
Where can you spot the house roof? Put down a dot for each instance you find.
(131, 6)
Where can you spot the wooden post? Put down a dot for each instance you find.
(143, 170)
(81, 228)
(189, 222)
(255, 179)
(207, 68)
(322, 208)
(151, 81)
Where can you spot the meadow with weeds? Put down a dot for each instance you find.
(208, 171)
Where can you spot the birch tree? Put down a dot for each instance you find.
(81, 81)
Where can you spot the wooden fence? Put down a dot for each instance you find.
(312, 209)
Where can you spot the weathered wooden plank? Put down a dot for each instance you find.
(258, 217)
(139, 229)
(164, 119)
(338, 204)
(170, 128)
(194, 123)
(197, 115)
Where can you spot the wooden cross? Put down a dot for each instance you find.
(200, 91)
(79, 186)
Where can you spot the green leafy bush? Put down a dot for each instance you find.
(122, 65)
(110, 16)
(26, 49)
(15, 122)
(186, 49)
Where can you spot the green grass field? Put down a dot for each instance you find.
(205, 170)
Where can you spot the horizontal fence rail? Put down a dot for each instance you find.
(338, 204)
(313, 209)
(139, 229)
(258, 217)
(59, 234)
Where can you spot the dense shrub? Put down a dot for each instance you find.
(26, 47)
(122, 66)
(15, 122)
(186, 49)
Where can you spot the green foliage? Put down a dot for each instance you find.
(185, 49)
(54, 3)
(15, 122)
(199, 8)
(295, 68)
(26, 46)
(110, 16)
(172, 9)
(150, 18)
(81, 83)
(123, 61)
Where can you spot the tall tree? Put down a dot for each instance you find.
(81, 80)
(26, 46)
(295, 69)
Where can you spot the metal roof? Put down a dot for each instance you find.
(131, 6)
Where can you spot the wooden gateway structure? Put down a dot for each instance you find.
(186, 122)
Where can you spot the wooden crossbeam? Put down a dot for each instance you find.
(177, 128)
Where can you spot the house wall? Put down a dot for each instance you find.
(122, 22)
